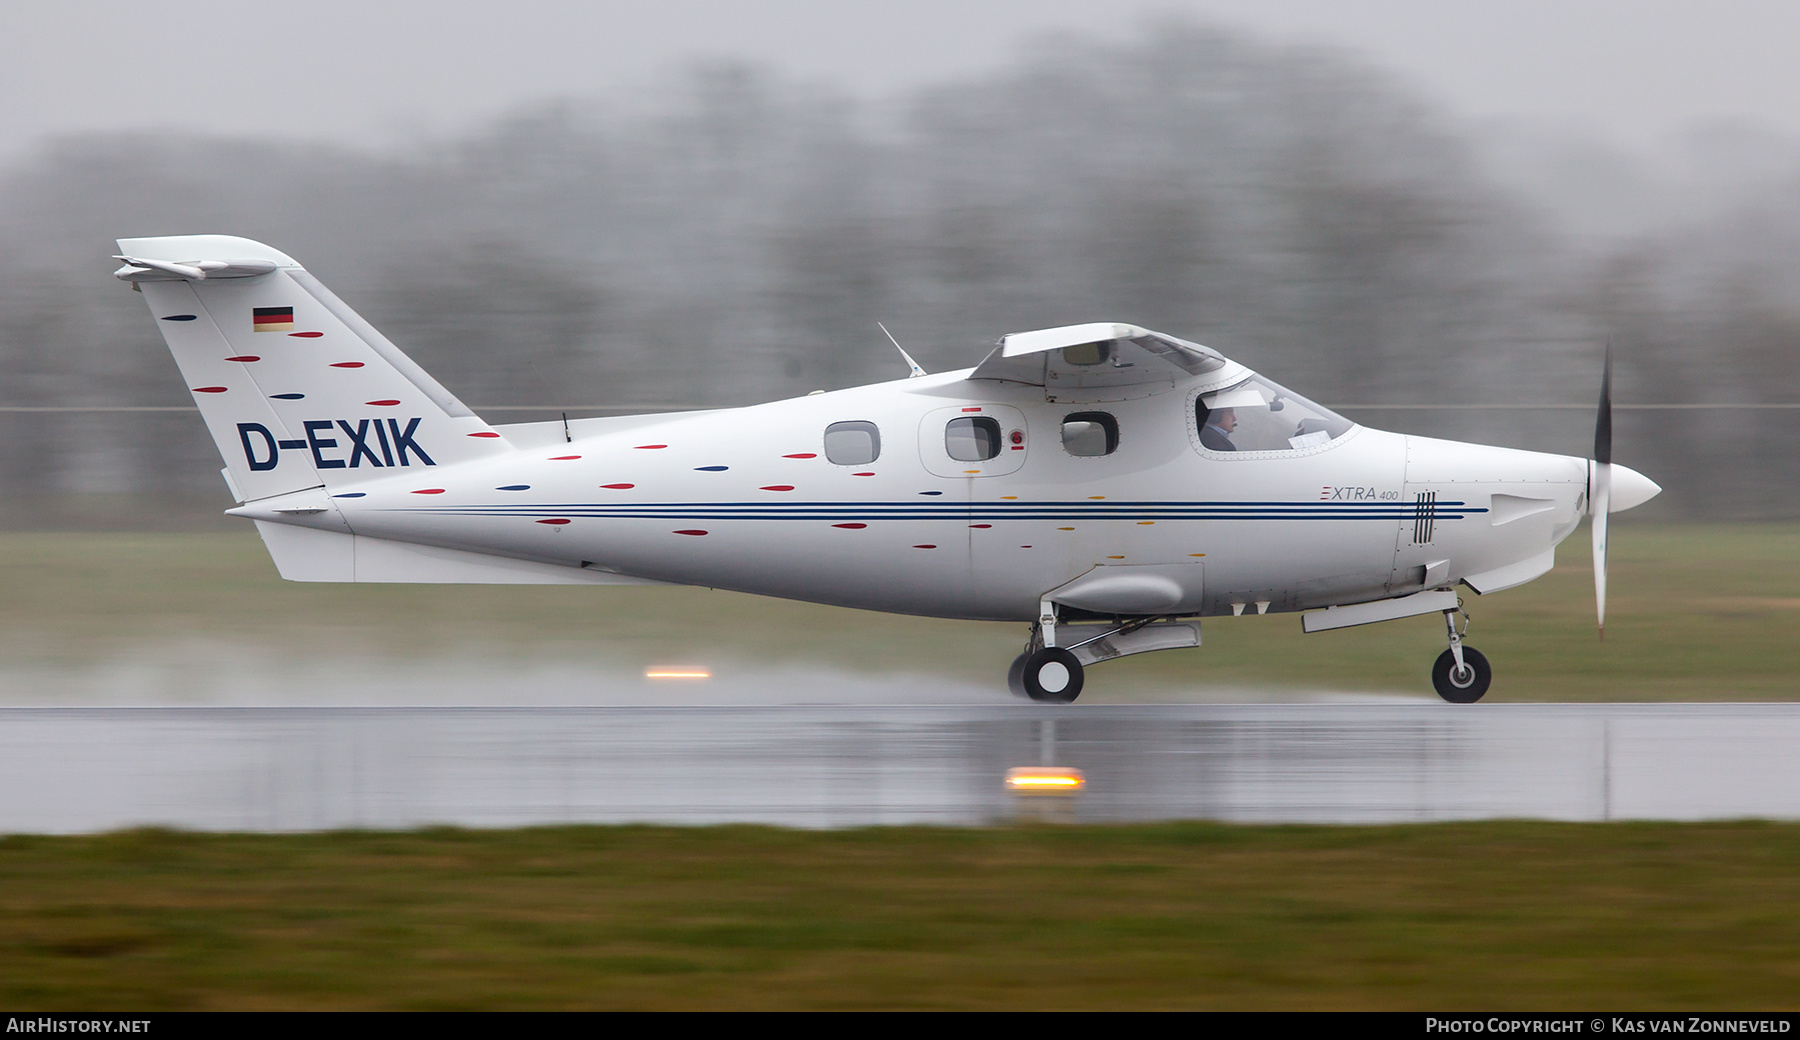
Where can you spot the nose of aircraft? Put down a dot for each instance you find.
(1631, 488)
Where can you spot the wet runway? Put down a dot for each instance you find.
(295, 769)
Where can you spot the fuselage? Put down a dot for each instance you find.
(748, 499)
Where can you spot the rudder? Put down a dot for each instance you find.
(295, 387)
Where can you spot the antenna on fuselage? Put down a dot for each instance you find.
(910, 363)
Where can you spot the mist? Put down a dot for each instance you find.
(734, 235)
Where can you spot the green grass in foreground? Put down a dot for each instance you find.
(1697, 613)
(1453, 916)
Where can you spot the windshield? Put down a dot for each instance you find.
(1258, 415)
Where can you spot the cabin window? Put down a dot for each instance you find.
(1090, 434)
(852, 443)
(972, 438)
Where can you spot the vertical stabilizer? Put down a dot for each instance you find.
(297, 389)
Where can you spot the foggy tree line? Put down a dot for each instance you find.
(736, 237)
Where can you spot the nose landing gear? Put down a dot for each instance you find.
(1461, 674)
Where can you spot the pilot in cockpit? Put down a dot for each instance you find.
(1216, 434)
(1258, 416)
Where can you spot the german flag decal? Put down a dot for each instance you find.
(273, 319)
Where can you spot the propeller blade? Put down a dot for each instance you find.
(1603, 422)
(1600, 488)
(1600, 502)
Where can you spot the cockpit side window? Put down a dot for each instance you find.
(852, 443)
(1090, 434)
(972, 438)
(1258, 415)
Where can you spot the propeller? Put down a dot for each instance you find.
(1600, 488)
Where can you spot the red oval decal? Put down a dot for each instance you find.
(802, 455)
(209, 389)
(924, 546)
(851, 527)
(862, 474)
(779, 487)
(429, 491)
(563, 458)
(484, 433)
(691, 532)
(384, 403)
(646, 447)
(981, 527)
(306, 335)
(346, 364)
(244, 357)
(619, 487)
(558, 522)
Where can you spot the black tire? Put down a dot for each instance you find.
(1462, 689)
(1052, 675)
(1015, 676)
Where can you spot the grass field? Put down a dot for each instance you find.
(1450, 916)
(1506, 915)
(1696, 613)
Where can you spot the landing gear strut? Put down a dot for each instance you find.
(1461, 674)
(1045, 672)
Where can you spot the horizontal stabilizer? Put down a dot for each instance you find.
(139, 269)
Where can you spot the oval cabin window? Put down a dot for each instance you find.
(1090, 434)
(852, 443)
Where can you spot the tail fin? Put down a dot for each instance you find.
(297, 389)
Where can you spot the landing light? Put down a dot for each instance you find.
(672, 672)
(1045, 780)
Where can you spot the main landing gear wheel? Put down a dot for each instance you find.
(1466, 686)
(1051, 674)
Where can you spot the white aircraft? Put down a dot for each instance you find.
(1107, 484)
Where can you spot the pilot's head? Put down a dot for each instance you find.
(1225, 419)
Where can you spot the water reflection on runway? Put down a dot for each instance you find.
(284, 769)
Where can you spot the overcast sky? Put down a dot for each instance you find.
(366, 71)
